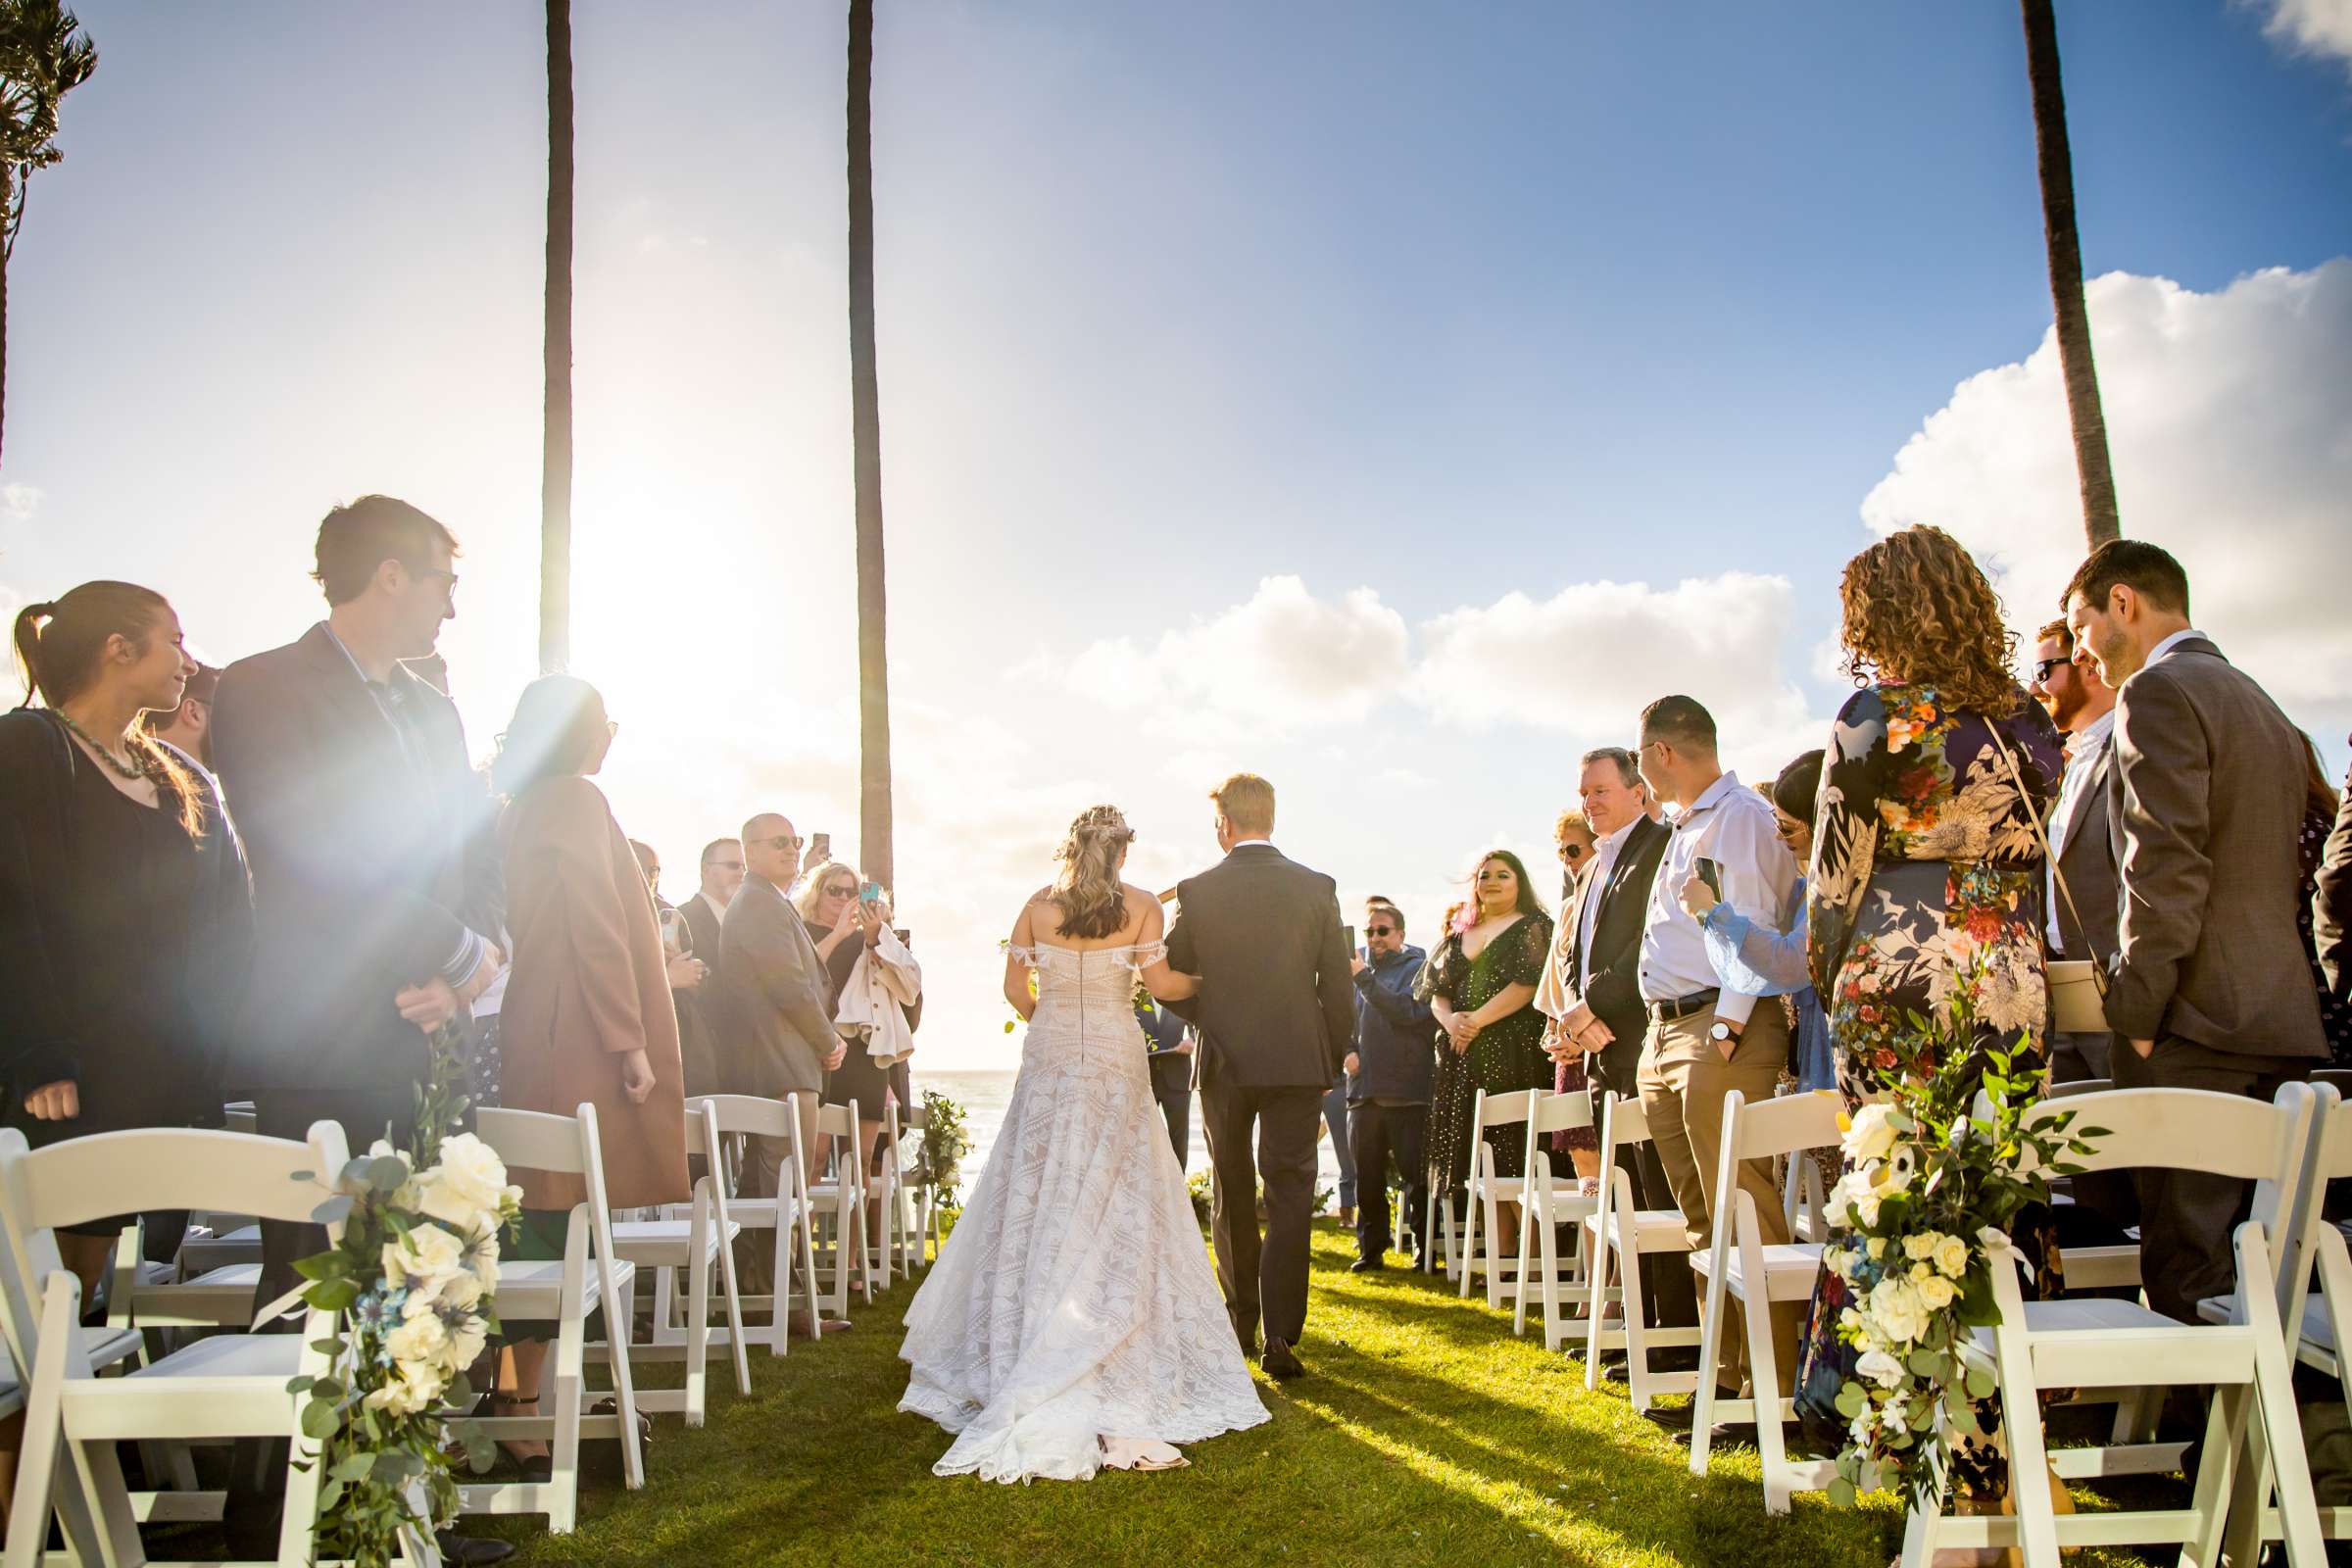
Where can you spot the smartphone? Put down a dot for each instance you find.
(872, 893)
(820, 847)
(1711, 874)
(1348, 932)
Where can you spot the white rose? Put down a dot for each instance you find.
(1894, 1306)
(1880, 1368)
(1951, 1255)
(1870, 1134)
(1935, 1292)
(406, 1393)
(1919, 1244)
(469, 1184)
(1876, 1247)
(418, 1341)
(462, 1290)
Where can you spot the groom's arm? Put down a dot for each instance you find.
(1183, 959)
(1334, 984)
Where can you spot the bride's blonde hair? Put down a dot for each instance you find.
(1086, 889)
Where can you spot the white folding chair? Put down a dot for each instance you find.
(841, 1198)
(227, 1385)
(1741, 1266)
(919, 1217)
(668, 1246)
(590, 1276)
(1618, 1235)
(1436, 1220)
(883, 1221)
(1552, 1202)
(784, 1213)
(1489, 1192)
(2106, 1343)
(2321, 1319)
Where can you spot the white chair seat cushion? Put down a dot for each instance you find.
(1654, 1230)
(1789, 1269)
(667, 1243)
(533, 1292)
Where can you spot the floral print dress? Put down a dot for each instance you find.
(1508, 1055)
(1926, 882)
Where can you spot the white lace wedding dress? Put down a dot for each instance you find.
(1072, 1320)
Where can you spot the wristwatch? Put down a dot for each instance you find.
(1721, 1031)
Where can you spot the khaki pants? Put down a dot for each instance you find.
(1682, 1079)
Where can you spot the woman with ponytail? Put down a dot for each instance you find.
(126, 921)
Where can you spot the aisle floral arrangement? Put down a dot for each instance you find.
(1923, 1214)
(939, 1157)
(414, 1277)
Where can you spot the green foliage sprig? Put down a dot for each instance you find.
(939, 1158)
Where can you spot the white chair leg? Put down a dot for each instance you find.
(735, 1331)
(1604, 1256)
(1710, 1354)
(563, 1458)
(624, 1391)
(1636, 1335)
(2028, 1462)
(1469, 1243)
(1764, 1382)
(698, 1331)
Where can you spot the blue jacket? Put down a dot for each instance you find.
(1395, 1034)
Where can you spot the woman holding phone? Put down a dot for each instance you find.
(847, 915)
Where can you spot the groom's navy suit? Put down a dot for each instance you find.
(1276, 1013)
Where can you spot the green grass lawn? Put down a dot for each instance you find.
(1424, 1434)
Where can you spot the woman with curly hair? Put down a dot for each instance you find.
(1927, 875)
(1481, 984)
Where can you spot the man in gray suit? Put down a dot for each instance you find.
(774, 1027)
(1277, 1014)
(2212, 988)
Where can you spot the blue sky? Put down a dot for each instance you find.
(1436, 306)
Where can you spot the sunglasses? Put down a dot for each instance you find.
(728, 865)
(2043, 667)
(781, 841)
(1378, 930)
(1572, 851)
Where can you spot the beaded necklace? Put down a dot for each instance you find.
(133, 771)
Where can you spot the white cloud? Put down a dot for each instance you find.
(2312, 27)
(1590, 657)
(19, 501)
(2229, 421)
(1281, 659)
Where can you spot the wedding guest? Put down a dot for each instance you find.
(720, 869)
(1573, 838)
(2319, 816)
(587, 1017)
(2081, 921)
(1704, 1038)
(831, 902)
(1935, 772)
(1770, 961)
(1169, 1047)
(2212, 988)
(776, 1035)
(1389, 1074)
(2332, 902)
(189, 726)
(1481, 987)
(359, 810)
(687, 972)
(126, 922)
(375, 903)
(1592, 987)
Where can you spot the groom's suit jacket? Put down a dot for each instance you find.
(1277, 1005)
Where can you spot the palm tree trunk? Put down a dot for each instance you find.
(555, 491)
(865, 399)
(4, 186)
(2057, 168)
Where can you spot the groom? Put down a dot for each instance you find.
(1276, 1011)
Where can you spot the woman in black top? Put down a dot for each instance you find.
(126, 921)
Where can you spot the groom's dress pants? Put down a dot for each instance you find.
(1262, 1281)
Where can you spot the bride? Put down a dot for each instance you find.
(1072, 1320)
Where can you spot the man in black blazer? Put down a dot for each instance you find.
(2212, 986)
(1276, 1015)
(704, 908)
(376, 891)
(1592, 987)
(375, 879)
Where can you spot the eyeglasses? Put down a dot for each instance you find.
(1379, 930)
(432, 571)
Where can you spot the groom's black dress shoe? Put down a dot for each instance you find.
(1280, 1361)
(1368, 1265)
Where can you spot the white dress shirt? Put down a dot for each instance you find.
(2084, 750)
(2169, 644)
(1733, 826)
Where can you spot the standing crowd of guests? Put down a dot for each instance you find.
(1824, 930)
(285, 881)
